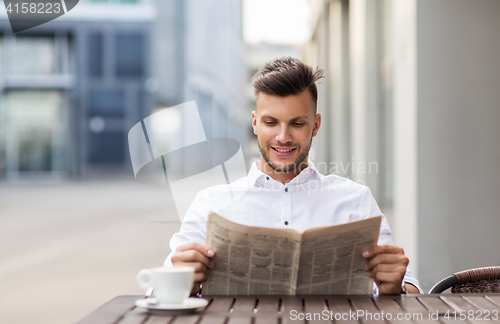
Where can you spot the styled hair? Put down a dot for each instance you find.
(287, 76)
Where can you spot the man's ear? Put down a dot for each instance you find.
(317, 124)
(254, 122)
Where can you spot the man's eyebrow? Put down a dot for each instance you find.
(267, 116)
(299, 117)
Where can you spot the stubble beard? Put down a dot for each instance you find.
(292, 166)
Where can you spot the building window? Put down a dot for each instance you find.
(33, 121)
(95, 55)
(129, 55)
(107, 148)
(33, 56)
(107, 103)
(35, 150)
(32, 107)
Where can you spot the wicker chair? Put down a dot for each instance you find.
(479, 280)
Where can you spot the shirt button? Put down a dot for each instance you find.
(286, 189)
(286, 222)
(267, 178)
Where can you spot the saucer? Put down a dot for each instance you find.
(188, 306)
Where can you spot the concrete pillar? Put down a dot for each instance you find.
(458, 77)
(404, 221)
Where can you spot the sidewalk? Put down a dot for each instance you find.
(66, 249)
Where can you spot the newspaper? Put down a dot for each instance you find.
(269, 261)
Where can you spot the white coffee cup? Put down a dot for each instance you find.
(171, 285)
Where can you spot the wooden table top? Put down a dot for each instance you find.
(444, 308)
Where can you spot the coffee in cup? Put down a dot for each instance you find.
(172, 285)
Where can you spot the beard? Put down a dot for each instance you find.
(292, 166)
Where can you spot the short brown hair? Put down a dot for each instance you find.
(287, 76)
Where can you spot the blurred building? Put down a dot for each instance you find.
(72, 88)
(412, 88)
(199, 55)
(256, 56)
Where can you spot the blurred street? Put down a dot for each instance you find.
(68, 248)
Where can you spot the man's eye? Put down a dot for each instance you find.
(298, 124)
(269, 123)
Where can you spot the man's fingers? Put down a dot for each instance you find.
(399, 271)
(386, 264)
(197, 256)
(385, 248)
(389, 288)
(191, 256)
(205, 250)
(388, 277)
(388, 282)
(386, 259)
(198, 266)
(388, 268)
(200, 277)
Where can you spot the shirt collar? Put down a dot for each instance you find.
(258, 178)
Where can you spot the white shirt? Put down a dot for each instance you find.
(309, 200)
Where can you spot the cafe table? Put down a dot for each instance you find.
(436, 308)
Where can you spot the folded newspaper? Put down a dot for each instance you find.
(269, 261)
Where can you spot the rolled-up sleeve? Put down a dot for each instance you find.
(370, 208)
(194, 225)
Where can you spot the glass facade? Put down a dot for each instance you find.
(33, 117)
(33, 56)
(95, 55)
(129, 55)
(35, 150)
(107, 102)
(107, 147)
(33, 124)
(66, 108)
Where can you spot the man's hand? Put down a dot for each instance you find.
(197, 256)
(387, 265)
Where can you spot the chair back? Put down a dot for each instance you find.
(478, 280)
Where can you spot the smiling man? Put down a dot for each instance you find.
(284, 127)
(283, 189)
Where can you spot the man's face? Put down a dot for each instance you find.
(285, 127)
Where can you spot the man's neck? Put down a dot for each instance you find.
(283, 177)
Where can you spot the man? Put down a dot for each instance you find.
(278, 187)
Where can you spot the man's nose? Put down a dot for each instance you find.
(284, 135)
